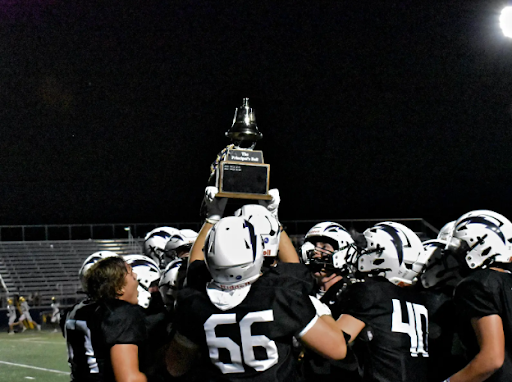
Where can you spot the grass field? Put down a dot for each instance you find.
(33, 356)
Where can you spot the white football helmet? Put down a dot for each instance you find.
(442, 267)
(170, 230)
(482, 237)
(393, 251)
(89, 262)
(345, 251)
(233, 252)
(179, 242)
(168, 285)
(148, 274)
(446, 232)
(265, 224)
(154, 246)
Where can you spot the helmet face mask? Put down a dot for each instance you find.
(154, 246)
(320, 259)
(233, 252)
(178, 245)
(330, 235)
(393, 251)
(168, 284)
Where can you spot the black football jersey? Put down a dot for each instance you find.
(198, 275)
(393, 345)
(91, 329)
(445, 350)
(486, 292)
(303, 281)
(252, 341)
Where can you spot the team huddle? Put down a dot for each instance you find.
(238, 302)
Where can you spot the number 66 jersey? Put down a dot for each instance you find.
(392, 347)
(252, 340)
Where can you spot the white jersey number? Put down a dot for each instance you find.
(81, 327)
(248, 342)
(413, 327)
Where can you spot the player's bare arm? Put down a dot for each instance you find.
(489, 333)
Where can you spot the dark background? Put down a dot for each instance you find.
(112, 111)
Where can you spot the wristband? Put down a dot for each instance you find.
(320, 307)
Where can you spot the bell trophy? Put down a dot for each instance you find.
(239, 171)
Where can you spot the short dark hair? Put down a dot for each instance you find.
(106, 278)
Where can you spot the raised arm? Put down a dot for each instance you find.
(196, 253)
(287, 252)
(214, 211)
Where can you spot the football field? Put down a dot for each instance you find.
(38, 356)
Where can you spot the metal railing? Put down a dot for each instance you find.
(82, 231)
(133, 231)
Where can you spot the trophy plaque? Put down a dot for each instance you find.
(239, 170)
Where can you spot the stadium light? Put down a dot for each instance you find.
(506, 21)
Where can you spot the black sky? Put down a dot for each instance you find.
(113, 111)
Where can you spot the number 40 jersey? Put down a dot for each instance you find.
(253, 340)
(392, 347)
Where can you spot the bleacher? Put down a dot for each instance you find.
(50, 268)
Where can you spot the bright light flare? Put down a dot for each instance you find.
(506, 21)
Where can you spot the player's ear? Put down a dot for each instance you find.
(120, 292)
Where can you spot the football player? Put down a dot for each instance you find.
(176, 255)
(25, 315)
(386, 319)
(171, 281)
(244, 322)
(438, 280)
(11, 314)
(106, 334)
(329, 252)
(149, 298)
(55, 318)
(154, 244)
(280, 258)
(483, 299)
(179, 245)
(78, 342)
